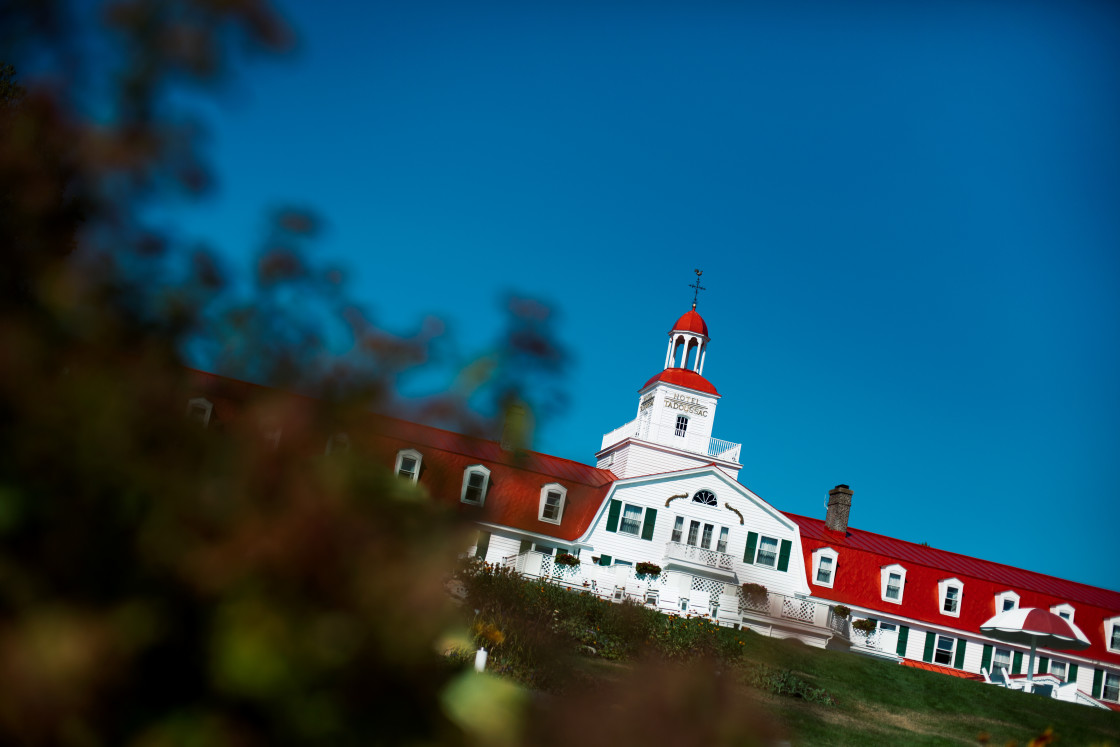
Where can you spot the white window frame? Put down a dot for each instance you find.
(696, 496)
(777, 551)
(1065, 669)
(884, 578)
(199, 410)
(678, 530)
(338, 443)
(952, 649)
(1112, 633)
(1114, 685)
(552, 487)
(403, 454)
(485, 472)
(1063, 609)
(622, 519)
(1010, 658)
(680, 429)
(943, 587)
(824, 552)
(1005, 595)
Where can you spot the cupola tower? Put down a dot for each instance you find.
(676, 410)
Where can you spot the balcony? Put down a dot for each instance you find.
(692, 557)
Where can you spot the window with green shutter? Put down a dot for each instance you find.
(1072, 677)
(752, 545)
(483, 545)
(783, 555)
(958, 661)
(648, 523)
(1043, 664)
(903, 639)
(1017, 663)
(604, 560)
(986, 659)
(927, 654)
(1098, 678)
(612, 515)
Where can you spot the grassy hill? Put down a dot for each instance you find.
(614, 659)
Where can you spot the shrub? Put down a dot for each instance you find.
(566, 559)
(841, 611)
(864, 626)
(648, 569)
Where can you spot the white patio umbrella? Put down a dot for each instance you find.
(1038, 628)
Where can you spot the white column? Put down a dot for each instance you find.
(669, 352)
(703, 357)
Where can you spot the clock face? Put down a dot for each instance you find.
(707, 497)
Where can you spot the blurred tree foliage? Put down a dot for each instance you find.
(164, 584)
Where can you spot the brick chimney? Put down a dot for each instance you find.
(839, 504)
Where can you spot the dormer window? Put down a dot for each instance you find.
(1064, 611)
(199, 409)
(824, 563)
(892, 583)
(682, 426)
(707, 497)
(1006, 600)
(339, 443)
(476, 479)
(949, 592)
(270, 433)
(408, 464)
(553, 497)
(1112, 633)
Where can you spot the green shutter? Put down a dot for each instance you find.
(647, 525)
(526, 546)
(752, 544)
(958, 661)
(783, 555)
(986, 659)
(612, 516)
(1017, 663)
(1072, 675)
(604, 560)
(1098, 677)
(482, 545)
(927, 655)
(1043, 664)
(903, 638)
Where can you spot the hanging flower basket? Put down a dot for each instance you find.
(754, 593)
(647, 569)
(841, 611)
(867, 627)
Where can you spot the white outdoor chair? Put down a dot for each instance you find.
(669, 601)
(729, 610)
(1010, 683)
(699, 603)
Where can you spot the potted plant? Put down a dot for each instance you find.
(841, 611)
(647, 569)
(754, 594)
(566, 559)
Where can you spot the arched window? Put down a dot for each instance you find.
(476, 479)
(682, 426)
(707, 497)
(552, 503)
(408, 464)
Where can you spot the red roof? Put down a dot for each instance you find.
(940, 669)
(862, 554)
(683, 377)
(691, 322)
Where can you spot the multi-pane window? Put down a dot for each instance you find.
(767, 552)
(693, 532)
(476, 486)
(894, 586)
(551, 509)
(706, 541)
(824, 570)
(1111, 686)
(1001, 660)
(678, 529)
(682, 426)
(407, 468)
(1114, 643)
(721, 546)
(1008, 604)
(1058, 669)
(631, 520)
(952, 599)
(944, 652)
(707, 497)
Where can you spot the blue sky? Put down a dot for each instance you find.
(907, 214)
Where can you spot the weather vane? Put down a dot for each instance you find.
(697, 287)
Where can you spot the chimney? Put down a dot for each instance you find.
(517, 427)
(839, 504)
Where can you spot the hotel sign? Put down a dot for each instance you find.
(690, 405)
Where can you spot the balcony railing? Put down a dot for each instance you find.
(795, 609)
(699, 556)
(621, 433)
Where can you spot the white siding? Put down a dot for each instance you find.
(637, 459)
(502, 545)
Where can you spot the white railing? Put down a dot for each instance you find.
(622, 432)
(699, 556)
(725, 450)
(795, 609)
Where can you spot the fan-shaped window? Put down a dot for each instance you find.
(707, 497)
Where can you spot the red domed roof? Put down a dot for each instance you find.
(683, 377)
(691, 322)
